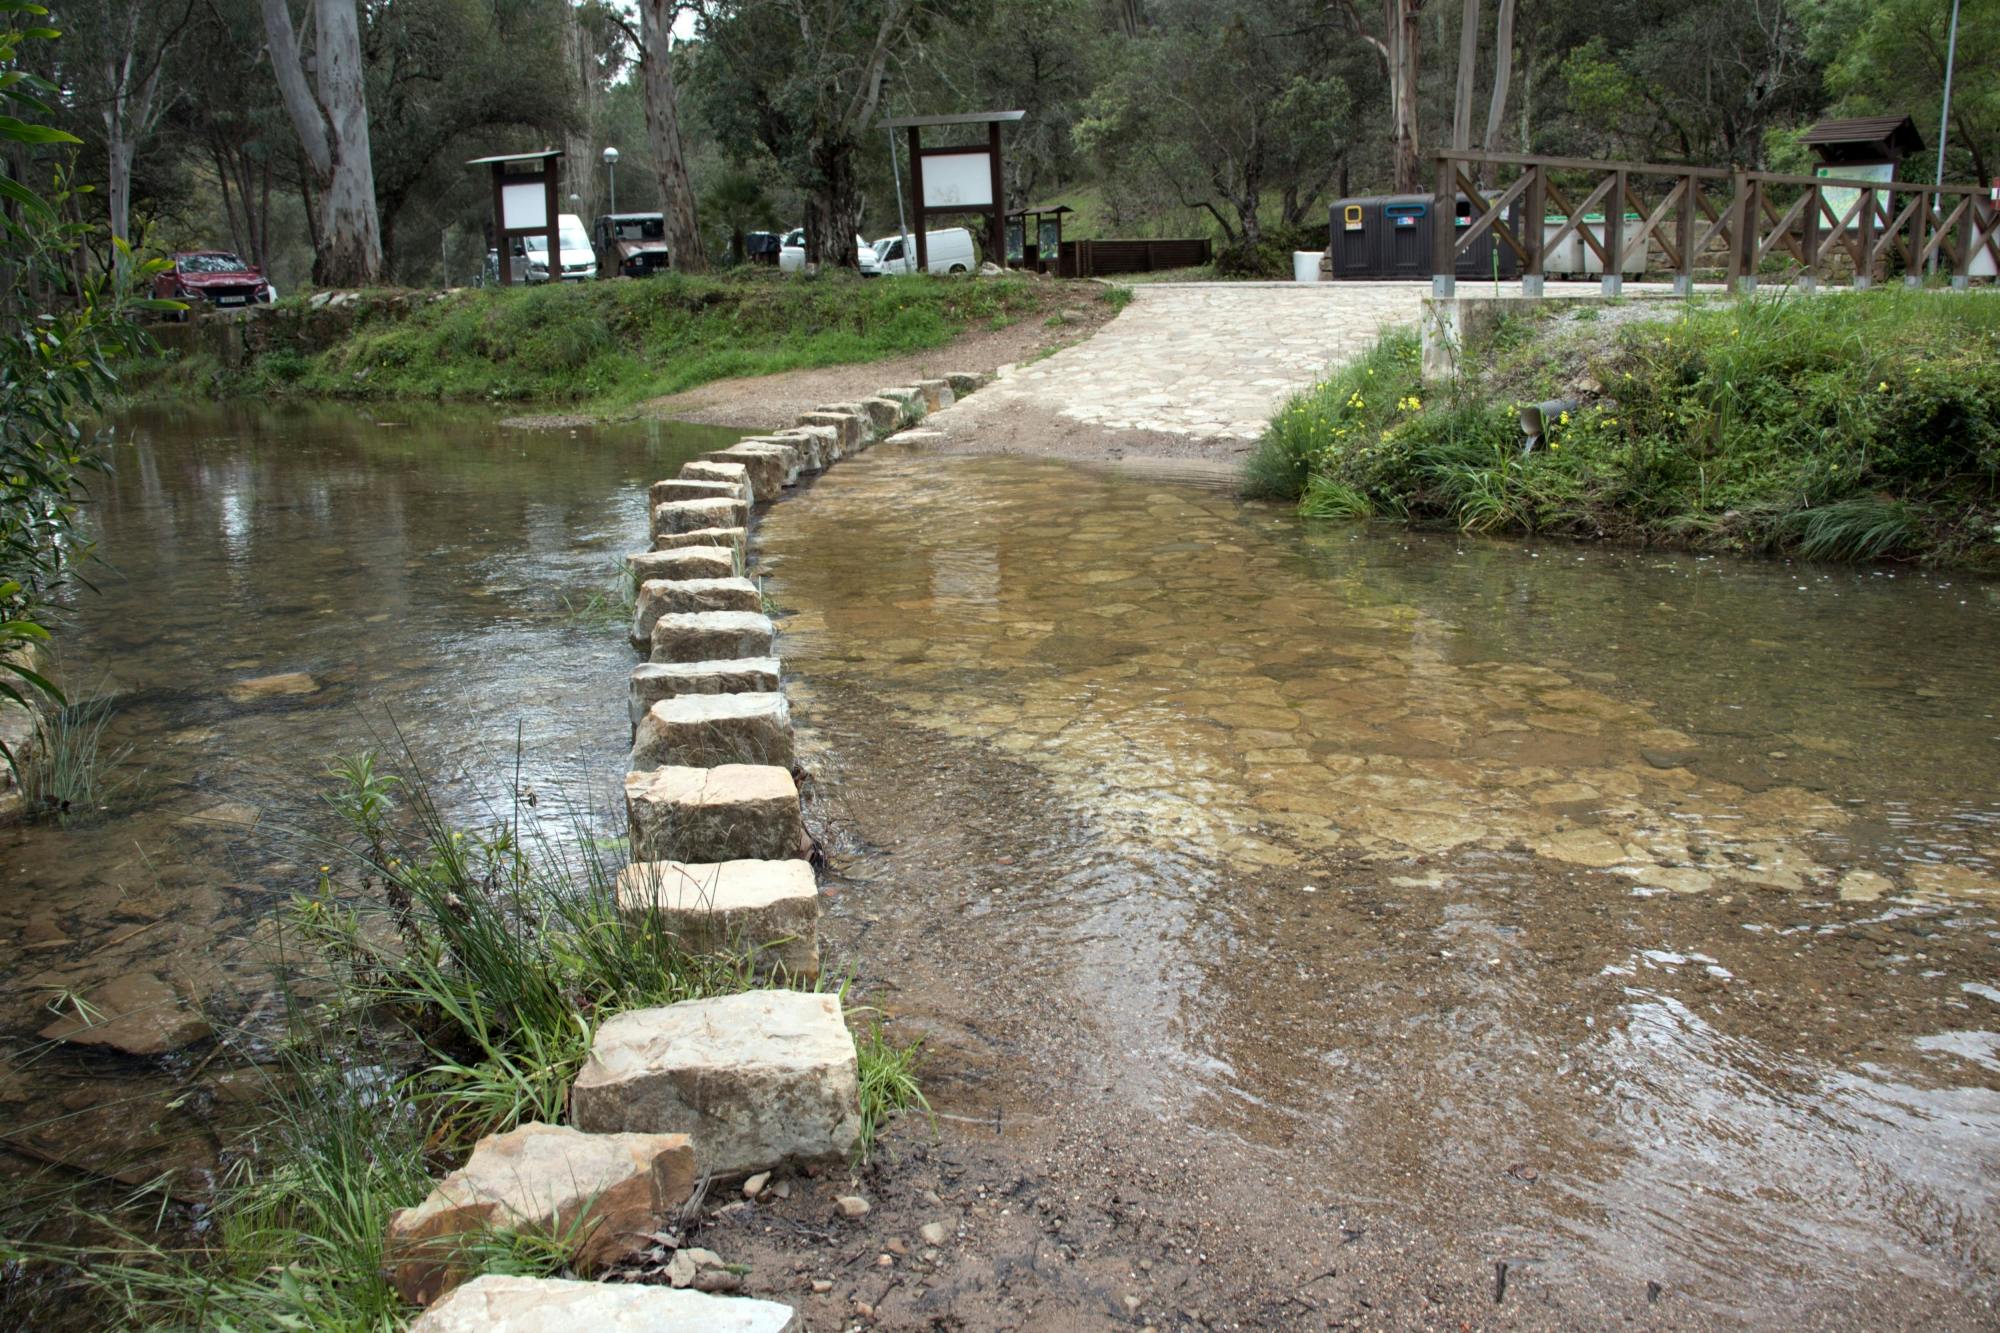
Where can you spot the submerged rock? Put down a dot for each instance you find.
(138, 1014)
(602, 1194)
(494, 1304)
(270, 687)
(757, 1079)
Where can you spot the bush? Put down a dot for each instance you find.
(1853, 426)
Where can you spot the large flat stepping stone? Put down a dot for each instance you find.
(662, 597)
(770, 470)
(693, 488)
(734, 473)
(885, 415)
(937, 394)
(707, 636)
(757, 1080)
(706, 730)
(731, 906)
(865, 432)
(963, 382)
(496, 1304)
(809, 453)
(654, 681)
(733, 539)
(846, 424)
(727, 813)
(695, 515)
(682, 562)
(605, 1191)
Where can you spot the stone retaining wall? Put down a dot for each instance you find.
(720, 862)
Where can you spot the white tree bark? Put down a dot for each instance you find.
(330, 116)
(1503, 74)
(685, 250)
(1468, 73)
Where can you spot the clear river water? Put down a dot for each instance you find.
(1624, 919)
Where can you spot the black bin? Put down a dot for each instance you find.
(1389, 236)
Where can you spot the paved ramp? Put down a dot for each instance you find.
(1210, 361)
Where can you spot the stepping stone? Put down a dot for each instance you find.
(825, 439)
(758, 1079)
(817, 451)
(884, 414)
(964, 382)
(661, 597)
(708, 636)
(653, 681)
(497, 1304)
(937, 394)
(732, 812)
(718, 907)
(683, 488)
(704, 730)
(918, 437)
(769, 472)
(695, 515)
(730, 539)
(847, 424)
(730, 472)
(605, 1191)
(682, 562)
(864, 423)
(910, 399)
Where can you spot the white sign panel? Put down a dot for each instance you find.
(524, 205)
(1840, 198)
(958, 180)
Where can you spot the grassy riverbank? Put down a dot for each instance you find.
(600, 344)
(1850, 426)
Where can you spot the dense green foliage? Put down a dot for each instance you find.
(58, 334)
(613, 343)
(1846, 426)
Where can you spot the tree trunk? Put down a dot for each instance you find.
(332, 124)
(1403, 87)
(1468, 72)
(833, 205)
(1503, 74)
(663, 128)
(579, 153)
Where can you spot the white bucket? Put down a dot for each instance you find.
(1305, 265)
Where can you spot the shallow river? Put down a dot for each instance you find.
(1627, 920)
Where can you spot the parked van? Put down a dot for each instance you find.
(947, 251)
(792, 254)
(577, 262)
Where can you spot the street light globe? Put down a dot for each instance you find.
(611, 157)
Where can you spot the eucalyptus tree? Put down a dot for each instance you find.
(329, 112)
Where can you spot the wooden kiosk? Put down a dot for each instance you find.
(964, 179)
(524, 204)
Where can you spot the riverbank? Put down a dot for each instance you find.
(599, 348)
(1848, 426)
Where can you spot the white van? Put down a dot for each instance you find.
(947, 251)
(792, 254)
(579, 261)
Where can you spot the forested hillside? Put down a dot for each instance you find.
(1239, 119)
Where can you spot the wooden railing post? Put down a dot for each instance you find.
(1532, 230)
(1613, 281)
(1684, 236)
(1920, 230)
(1864, 262)
(1444, 232)
(1809, 234)
(1968, 229)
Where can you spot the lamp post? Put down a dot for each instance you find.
(611, 174)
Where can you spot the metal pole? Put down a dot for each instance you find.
(611, 172)
(896, 174)
(1944, 116)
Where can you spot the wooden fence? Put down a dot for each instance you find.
(1737, 219)
(1089, 259)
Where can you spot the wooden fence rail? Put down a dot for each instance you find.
(1884, 228)
(1084, 259)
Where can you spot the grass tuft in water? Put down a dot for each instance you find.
(71, 774)
(888, 1082)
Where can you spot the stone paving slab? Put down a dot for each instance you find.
(499, 1304)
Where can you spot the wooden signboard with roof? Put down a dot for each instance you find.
(524, 204)
(963, 179)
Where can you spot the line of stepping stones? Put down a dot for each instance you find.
(721, 1087)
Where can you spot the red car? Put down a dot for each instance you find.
(212, 277)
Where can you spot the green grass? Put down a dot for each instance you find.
(603, 344)
(72, 773)
(888, 1082)
(1850, 426)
